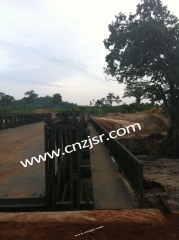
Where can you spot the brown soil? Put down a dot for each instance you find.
(45, 111)
(124, 225)
(151, 121)
(148, 139)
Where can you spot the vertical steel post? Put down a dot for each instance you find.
(50, 167)
(140, 185)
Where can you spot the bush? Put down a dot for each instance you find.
(16, 110)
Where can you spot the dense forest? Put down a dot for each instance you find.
(41, 102)
(31, 101)
(99, 107)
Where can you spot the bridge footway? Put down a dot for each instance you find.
(109, 187)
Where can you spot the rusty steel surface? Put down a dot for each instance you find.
(16, 145)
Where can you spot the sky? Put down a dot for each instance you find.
(55, 46)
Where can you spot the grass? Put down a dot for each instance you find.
(98, 111)
(16, 110)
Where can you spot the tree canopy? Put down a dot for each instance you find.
(57, 98)
(6, 100)
(108, 101)
(110, 98)
(31, 95)
(137, 90)
(145, 45)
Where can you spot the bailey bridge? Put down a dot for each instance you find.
(77, 177)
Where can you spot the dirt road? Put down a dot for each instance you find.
(53, 114)
(104, 225)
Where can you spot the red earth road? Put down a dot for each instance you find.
(115, 225)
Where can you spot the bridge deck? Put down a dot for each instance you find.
(17, 144)
(109, 188)
(16, 181)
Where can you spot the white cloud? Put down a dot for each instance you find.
(57, 46)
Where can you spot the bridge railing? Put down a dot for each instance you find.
(15, 120)
(128, 164)
(63, 173)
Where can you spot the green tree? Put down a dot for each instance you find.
(103, 101)
(26, 101)
(93, 101)
(2, 95)
(74, 107)
(147, 44)
(57, 99)
(153, 94)
(98, 103)
(137, 90)
(8, 100)
(110, 98)
(118, 100)
(30, 96)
